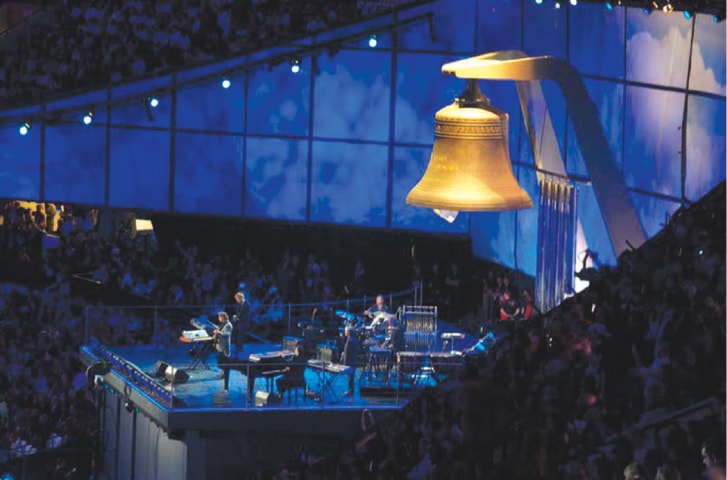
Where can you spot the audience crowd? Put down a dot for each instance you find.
(85, 44)
(624, 380)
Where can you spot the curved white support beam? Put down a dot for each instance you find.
(622, 222)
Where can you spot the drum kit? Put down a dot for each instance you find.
(368, 334)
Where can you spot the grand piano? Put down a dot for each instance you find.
(266, 365)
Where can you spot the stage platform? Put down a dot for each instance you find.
(253, 423)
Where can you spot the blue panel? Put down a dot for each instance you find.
(278, 100)
(705, 146)
(654, 212)
(608, 98)
(409, 166)
(422, 90)
(75, 164)
(277, 178)
(557, 112)
(493, 236)
(593, 28)
(657, 48)
(452, 28)
(499, 25)
(137, 113)
(208, 173)
(708, 58)
(20, 163)
(139, 176)
(545, 29)
(211, 107)
(526, 251)
(652, 140)
(353, 95)
(349, 183)
(592, 226)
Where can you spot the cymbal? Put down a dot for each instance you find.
(346, 315)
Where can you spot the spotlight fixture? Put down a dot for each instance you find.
(129, 405)
(153, 101)
(226, 83)
(538, 2)
(557, 5)
(609, 6)
(295, 65)
(88, 118)
(668, 8)
(688, 14)
(24, 128)
(373, 41)
(574, 2)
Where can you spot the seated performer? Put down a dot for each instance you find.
(394, 336)
(222, 336)
(379, 307)
(379, 313)
(294, 373)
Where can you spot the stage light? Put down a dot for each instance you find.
(538, 2)
(153, 101)
(574, 2)
(226, 83)
(557, 5)
(88, 118)
(24, 128)
(295, 65)
(129, 405)
(609, 6)
(373, 41)
(687, 14)
(668, 8)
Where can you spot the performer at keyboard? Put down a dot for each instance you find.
(394, 336)
(293, 373)
(222, 336)
(240, 321)
(349, 357)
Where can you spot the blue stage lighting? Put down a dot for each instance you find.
(574, 2)
(24, 129)
(226, 83)
(88, 118)
(373, 41)
(538, 2)
(153, 102)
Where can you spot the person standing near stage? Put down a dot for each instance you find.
(240, 321)
(349, 357)
(222, 337)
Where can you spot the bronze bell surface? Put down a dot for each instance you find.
(470, 168)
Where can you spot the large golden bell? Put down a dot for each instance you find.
(470, 166)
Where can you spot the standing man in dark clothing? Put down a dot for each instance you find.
(240, 321)
(222, 335)
(349, 357)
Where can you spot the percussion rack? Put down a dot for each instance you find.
(420, 327)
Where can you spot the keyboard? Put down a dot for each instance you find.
(196, 335)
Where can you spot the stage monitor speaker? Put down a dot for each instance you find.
(175, 375)
(264, 398)
(160, 368)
